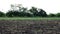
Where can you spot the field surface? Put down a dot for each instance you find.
(29, 18)
(29, 26)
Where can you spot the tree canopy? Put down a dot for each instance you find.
(24, 12)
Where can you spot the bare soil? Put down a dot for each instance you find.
(30, 27)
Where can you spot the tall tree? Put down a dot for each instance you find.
(42, 13)
(34, 11)
(9, 14)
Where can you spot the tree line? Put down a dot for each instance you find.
(24, 12)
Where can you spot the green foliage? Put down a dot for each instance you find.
(16, 13)
(9, 14)
(29, 15)
(24, 12)
(13, 14)
(42, 13)
(58, 15)
(51, 15)
(2, 14)
(34, 11)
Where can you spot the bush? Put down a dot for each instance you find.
(42, 13)
(13, 14)
(58, 15)
(9, 14)
(51, 15)
(2, 14)
(34, 11)
(28, 15)
(16, 13)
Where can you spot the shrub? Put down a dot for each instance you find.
(51, 15)
(58, 15)
(9, 14)
(42, 13)
(2, 14)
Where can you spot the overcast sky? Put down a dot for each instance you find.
(50, 6)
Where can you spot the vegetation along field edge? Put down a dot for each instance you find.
(29, 18)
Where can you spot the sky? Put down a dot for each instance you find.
(50, 6)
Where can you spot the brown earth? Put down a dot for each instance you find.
(30, 27)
